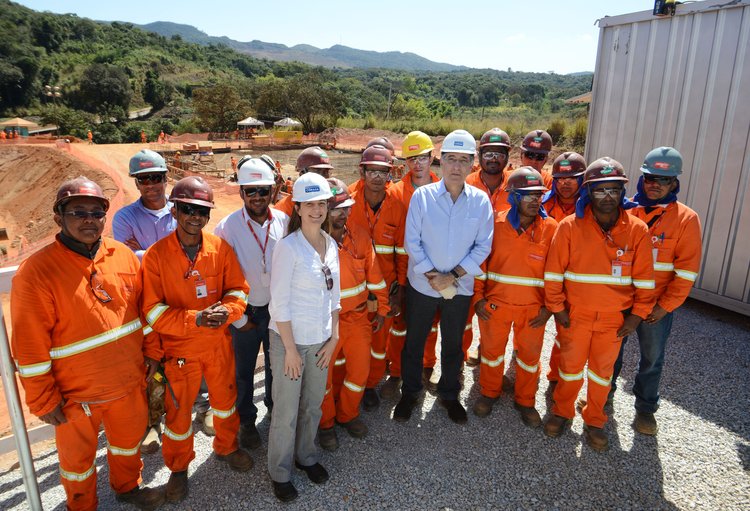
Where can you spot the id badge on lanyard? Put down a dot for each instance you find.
(201, 291)
(265, 279)
(617, 264)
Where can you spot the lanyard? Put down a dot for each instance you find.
(533, 229)
(192, 262)
(257, 240)
(652, 229)
(620, 251)
(343, 240)
(369, 221)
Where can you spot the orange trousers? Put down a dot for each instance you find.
(592, 337)
(343, 395)
(527, 343)
(124, 423)
(217, 367)
(377, 352)
(554, 357)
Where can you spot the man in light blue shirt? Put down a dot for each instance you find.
(449, 231)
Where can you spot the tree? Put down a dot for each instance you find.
(104, 90)
(218, 108)
(156, 92)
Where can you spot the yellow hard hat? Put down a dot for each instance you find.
(416, 143)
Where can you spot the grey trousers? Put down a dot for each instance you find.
(296, 410)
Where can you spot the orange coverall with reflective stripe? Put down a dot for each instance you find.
(513, 285)
(598, 277)
(360, 275)
(171, 304)
(386, 229)
(675, 233)
(72, 348)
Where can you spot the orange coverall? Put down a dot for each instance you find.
(386, 229)
(404, 189)
(513, 285)
(598, 277)
(71, 348)
(170, 305)
(360, 274)
(286, 205)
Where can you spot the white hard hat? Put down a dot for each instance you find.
(255, 172)
(459, 141)
(311, 187)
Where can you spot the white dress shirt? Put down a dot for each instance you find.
(443, 234)
(298, 288)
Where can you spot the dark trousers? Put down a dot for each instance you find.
(420, 312)
(246, 348)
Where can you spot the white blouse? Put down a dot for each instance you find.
(298, 288)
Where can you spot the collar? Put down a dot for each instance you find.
(78, 247)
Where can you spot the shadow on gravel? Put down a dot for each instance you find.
(706, 367)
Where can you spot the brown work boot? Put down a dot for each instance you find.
(239, 460)
(327, 439)
(177, 486)
(645, 423)
(144, 498)
(483, 406)
(581, 402)
(206, 420)
(370, 400)
(151, 442)
(355, 427)
(596, 438)
(391, 387)
(529, 415)
(555, 426)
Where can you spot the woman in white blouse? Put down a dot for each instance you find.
(304, 325)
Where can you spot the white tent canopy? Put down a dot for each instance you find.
(287, 121)
(250, 121)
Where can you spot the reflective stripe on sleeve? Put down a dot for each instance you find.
(553, 277)
(377, 286)
(663, 267)
(493, 363)
(353, 387)
(32, 370)
(598, 379)
(353, 291)
(483, 276)
(95, 341)
(570, 377)
(155, 313)
(339, 362)
(147, 329)
(401, 251)
(176, 437)
(512, 279)
(644, 284)
(223, 414)
(119, 451)
(687, 275)
(77, 477)
(384, 249)
(237, 294)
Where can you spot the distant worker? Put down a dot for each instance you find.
(79, 347)
(162, 137)
(177, 160)
(193, 288)
(253, 231)
(510, 296)
(90, 136)
(360, 275)
(288, 184)
(313, 159)
(599, 282)
(3, 136)
(675, 232)
(233, 163)
(143, 137)
(535, 150)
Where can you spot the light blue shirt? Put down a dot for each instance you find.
(443, 234)
(147, 226)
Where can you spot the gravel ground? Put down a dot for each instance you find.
(699, 460)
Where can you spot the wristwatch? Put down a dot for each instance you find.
(455, 274)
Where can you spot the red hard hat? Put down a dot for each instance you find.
(313, 158)
(525, 178)
(494, 137)
(383, 142)
(193, 190)
(568, 164)
(79, 187)
(604, 169)
(377, 155)
(537, 141)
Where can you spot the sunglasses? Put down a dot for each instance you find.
(662, 180)
(600, 193)
(96, 287)
(535, 156)
(422, 158)
(329, 277)
(251, 191)
(85, 215)
(493, 155)
(191, 210)
(536, 197)
(150, 179)
(378, 173)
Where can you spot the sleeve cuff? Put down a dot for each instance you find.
(470, 267)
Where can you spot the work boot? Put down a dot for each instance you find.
(370, 401)
(456, 411)
(315, 473)
(177, 486)
(555, 426)
(596, 438)
(391, 387)
(285, 492)
(239, 460)
(327, 439)
(206, 420)
(608, 405)
(143, 497)
(249, 436)
(509, 387)
(151, 442)
(483, 406)
(529, 415)
(355, 427)
(472, 358)
(402, 412)
(645, 423)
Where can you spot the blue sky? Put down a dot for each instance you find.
(541, 36)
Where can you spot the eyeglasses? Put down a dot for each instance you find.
(150, 179)
(422, 158)
(535, 197)
(190, 210)
(600, 193)
(252, 191)
(566, 178)
(329, 277)
(378, 173)
(493, 155)
(96, 287)
(535, 156)
(662, 180)
(85, 215)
